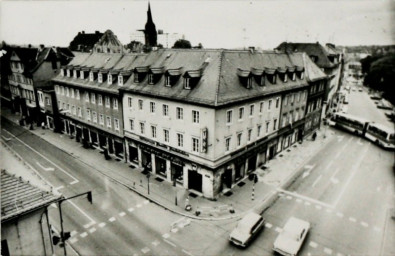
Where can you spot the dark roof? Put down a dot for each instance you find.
(19, 197)
(216, 71)
(312, 49)
(86, 41)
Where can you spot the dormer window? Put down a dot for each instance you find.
(140, 73)
(191, 78)
(186, 83)
(293, 75)
(100, 78)
(91, 77)
(302, 75)
(172, 76)
(62, 72)
(68, 73)
(167, 81)
(151, 79)
(109, 80)
(75, 74)
(82, 74)
(245, 77)
(120, 80)
(285, 78)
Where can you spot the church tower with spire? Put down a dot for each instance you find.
(150, 30)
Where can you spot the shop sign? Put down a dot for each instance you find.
(204, 134)
(162, 154)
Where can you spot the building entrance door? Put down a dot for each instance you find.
(194, 180)
(272, 151)
(239, 171)
(227, 178)
(251, 164)
(160, 165)
(118, 148)
(133, 154)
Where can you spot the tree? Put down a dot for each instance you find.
(135, 46)
(199, 46)
(182, 44)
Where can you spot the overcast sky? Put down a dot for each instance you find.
(215, 24)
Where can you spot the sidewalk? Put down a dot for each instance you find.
(280, 171)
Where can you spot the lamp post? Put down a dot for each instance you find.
(148, 176)
(89, 194)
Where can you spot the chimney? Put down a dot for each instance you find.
(251, 49)
(29, 45)
(83, 32)
(97, 32)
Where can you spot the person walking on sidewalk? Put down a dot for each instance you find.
(314, 136)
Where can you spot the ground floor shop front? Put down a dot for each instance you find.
(91, 137)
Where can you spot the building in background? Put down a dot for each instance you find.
(25, 226)
(84, 42)
(167, 40)
(108, 43)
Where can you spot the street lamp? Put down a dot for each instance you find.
(62, 234)
(148, 176)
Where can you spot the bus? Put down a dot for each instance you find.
(350, 123)
(381, 135)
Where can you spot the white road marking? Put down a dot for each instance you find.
(83, 234)
(73, 240)
(54, 205)
(145, 250)
(138, 206)
(60, 187)
(364, 224)
(355, 169)
(299, 200)
(305, 174)
(6, 139)
(73, 182)
(131, 209)
(339, 214)
(305, 198)
(316, 181)
(170, 243)
(278, 230)
(280, 194)
(313, 244)
(73, 233)
(155, 243)
(102, 224)
(318, 207)
(122, 214)
(166, 235)
(174, 230)
(268, 225)
(146, 202)
(71, 176)
(89, 224)
(352, 219)
(47, 169)
(327, 251)
(186, 252)
(92, 230)
(111, 219)
(289, 197)
(309, 167)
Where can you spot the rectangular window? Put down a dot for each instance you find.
(195, 145)
(73, 111)
(101, 119)
(267, 127)
(165, 110)
(67, 92)
(93, 98)
(120, 80)
(292, 98)
(90, 76)
(239, 139)
(270, 104)
(227, 144)
(153, 131)
(195, 116)
(259, 131)
(115, 103)
(275, 124)
(277, 102)
(72, 92)
(94, 114)
(261, 107)
(166, 135)
(180, 113)
(152, 107)
(142, 128)
(252, 110)
(140, 104)
(249, 134)
(180, 139)
(241, 113)
(87, 96)
(109, 122)
(81, 74)
(100, 78)
(88, 114)
(229, 115)
(79, 112)
(116, 124)
(130, 102)
(107, 99)
(77, 94)
(131, 123)
(100, 100)
(285, 100)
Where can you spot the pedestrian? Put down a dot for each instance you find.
(314, 136)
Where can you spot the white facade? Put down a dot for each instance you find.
(137, 36)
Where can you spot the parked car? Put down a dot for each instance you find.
(291, 238)
(247, 229)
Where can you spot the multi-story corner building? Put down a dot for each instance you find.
(31, 68)
(207, 118)
(327, 58)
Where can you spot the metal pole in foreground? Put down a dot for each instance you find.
(61, 227)
(253, 188)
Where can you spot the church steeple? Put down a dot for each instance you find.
(150, 30)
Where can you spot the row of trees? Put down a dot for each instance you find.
(380, 74)
(136, 46)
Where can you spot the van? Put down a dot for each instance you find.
(247, 229)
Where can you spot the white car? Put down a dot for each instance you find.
(247, 228)
(291, 237)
